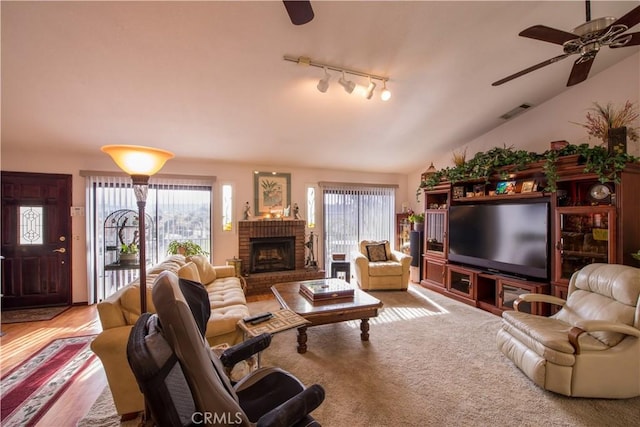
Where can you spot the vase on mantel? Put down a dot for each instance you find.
(617, 140)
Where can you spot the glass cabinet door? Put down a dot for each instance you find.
(585, 237)
(435, 231)
(461, 281)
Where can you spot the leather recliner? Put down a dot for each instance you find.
(591, 347)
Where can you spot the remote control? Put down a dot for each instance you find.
(261, 319)
(258, 316)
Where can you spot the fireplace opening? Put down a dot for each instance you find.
(268, 254)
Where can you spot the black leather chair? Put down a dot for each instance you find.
(265, 397)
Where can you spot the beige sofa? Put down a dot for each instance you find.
(377, 267)
(119, 312)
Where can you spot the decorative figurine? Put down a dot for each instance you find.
(296, 211)
(247, 211)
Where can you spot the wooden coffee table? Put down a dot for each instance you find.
(361, 306)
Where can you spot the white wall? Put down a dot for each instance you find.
(551, 121)
(532, 130)
(225, 244)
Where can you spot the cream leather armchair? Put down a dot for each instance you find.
(377, 267)
(591, 347)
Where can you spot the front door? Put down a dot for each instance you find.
(36, 240)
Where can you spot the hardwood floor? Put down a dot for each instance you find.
(21, 340)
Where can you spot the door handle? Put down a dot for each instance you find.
(61, 250)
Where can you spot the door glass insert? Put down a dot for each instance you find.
(31, 225)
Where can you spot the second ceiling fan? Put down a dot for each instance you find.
(585, 40)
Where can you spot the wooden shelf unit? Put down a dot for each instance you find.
(582, 231)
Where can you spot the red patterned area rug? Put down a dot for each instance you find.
(30, 389)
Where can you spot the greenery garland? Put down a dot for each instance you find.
(483, 165)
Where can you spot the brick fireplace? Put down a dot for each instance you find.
(265, 239)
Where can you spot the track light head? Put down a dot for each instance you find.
(348, 85)
(323, 84)
(385, 94)
(369, 93)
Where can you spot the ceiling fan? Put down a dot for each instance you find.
(300, 11)
(585, 40)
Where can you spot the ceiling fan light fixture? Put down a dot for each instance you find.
(369, 93)
(385, 95)
(586, 39)
(323, 84)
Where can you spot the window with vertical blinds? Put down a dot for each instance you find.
(355, 212)
(179, 208)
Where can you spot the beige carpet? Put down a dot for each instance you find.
(430, 361)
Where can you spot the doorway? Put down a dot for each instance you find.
(36, 240)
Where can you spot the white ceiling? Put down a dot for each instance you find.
(207, 79)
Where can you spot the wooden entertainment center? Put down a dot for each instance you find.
(589, 222)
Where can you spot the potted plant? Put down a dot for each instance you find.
(603, 118)
(185, 247)
(417, 219)
(128, 251)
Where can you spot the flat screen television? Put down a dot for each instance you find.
(505, 238)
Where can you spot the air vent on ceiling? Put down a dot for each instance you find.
(519, 109)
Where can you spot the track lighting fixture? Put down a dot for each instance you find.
(385, 95)
(323, 84)
(348, 85)
(369, 93)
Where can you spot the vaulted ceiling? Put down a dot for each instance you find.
(207, 80)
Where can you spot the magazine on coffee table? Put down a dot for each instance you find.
(281, 320)
(325, 289)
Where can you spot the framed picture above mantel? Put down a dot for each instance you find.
(272, 191)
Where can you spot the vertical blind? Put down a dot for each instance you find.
(355, 212)
(177, 208)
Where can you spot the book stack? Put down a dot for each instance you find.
(326, 289)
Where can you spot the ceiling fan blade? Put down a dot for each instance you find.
(300, 11)
(580, 70)
(630, 19)
(547, 34)
(530, 69)
(634, 41)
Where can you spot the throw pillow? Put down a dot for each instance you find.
(189, 271)
(205, 269)
(376, 253)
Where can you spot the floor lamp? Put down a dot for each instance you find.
(139, 163)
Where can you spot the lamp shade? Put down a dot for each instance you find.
(138, 160)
